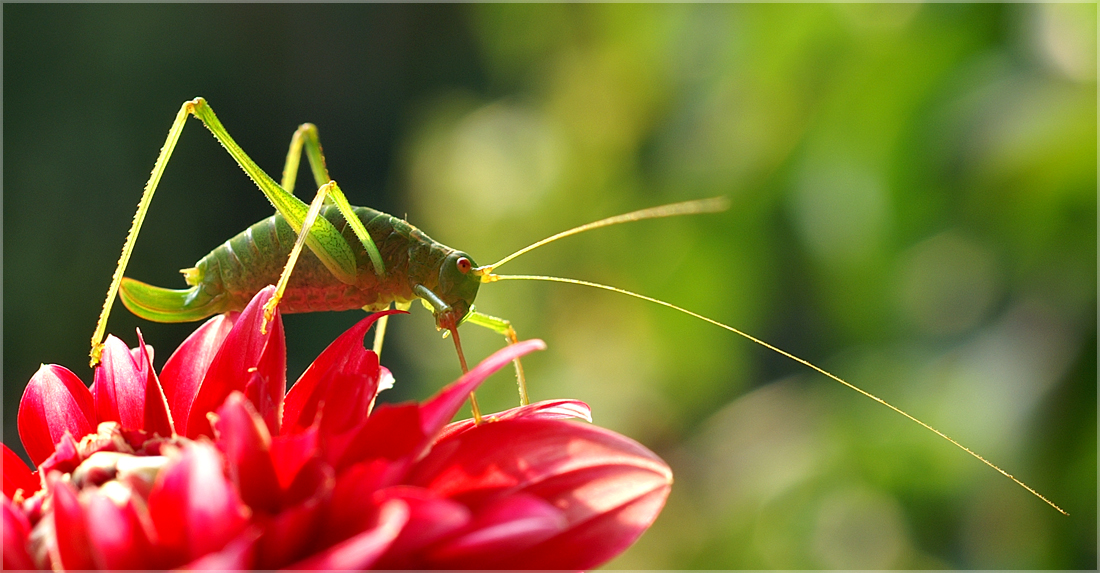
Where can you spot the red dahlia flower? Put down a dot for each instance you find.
(209, 465)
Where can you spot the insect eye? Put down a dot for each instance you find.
(464, 265)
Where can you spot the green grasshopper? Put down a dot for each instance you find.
(361, 258)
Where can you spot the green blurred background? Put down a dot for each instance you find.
(913, 195)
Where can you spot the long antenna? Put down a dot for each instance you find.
(711, 205)
(494, 278)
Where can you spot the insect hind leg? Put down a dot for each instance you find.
(307, 140)
(306, 137)
(504, 327)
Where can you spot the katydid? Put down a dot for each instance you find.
(360, 258)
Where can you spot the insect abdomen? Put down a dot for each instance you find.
(253, 259)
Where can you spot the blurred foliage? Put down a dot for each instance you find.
(914, 208)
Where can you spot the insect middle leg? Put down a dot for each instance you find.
(380, 327)
(503, 326)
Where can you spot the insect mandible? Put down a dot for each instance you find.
(361, 258)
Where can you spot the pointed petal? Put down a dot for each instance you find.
(548, 409)
(196, 510)
(55, 402)
(249, 361)
(118, 388)
(246, 443)
(345, 364)
(17, 476)
(437, 411)
(15, 532)
(126, 389)
(364, 549)
(609, 488)
(185, 369)
(347, 398)
(403, 432)
(158, 419)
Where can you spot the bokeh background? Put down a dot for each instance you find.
(913, 194)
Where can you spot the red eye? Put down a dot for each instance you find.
(463, 265)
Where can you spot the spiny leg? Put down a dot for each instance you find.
(307, 138)
(503, 326)
(292, 259)
(135, 226)
(306, 135)
(323, 239)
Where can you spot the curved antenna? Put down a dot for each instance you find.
(711, 205)
(494, 278)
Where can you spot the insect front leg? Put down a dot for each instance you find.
(503, 326)
(135, 227)
(445, 319)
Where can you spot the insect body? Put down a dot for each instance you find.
(229, 276)
(358, 258)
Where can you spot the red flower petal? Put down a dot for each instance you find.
(609, 487)
(364, 549)
(437, 411)
(351, 511)
(291, 535)
(17, 476)
(66, 457)
(249, 361)
(194, 507)
(73, 546)
(55, 402)
(16, 529)
(392, 432)
(158, 419)
(237, 554)
(597, 540)
(117, 534)
(289, 454)
(344, 367)
(409, 429)
(506, 527)
(547, 410)
(244, 440)
(185, 369)
(126, 389)
(431, 518)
